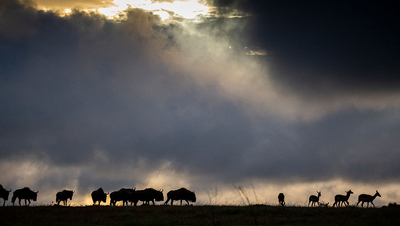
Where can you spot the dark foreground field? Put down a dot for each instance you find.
(197, 215)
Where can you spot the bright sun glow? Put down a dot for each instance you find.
(189, 9)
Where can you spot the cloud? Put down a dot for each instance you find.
(89, 102)
(85, 4)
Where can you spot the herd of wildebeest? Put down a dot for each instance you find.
(124, 194)
(148, 195)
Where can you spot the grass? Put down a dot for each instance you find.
(197, 215)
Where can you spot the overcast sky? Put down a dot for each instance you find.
(279, 96)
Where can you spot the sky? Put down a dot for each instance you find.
(211, 95)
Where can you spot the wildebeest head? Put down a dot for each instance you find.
(4, 193)
(158, 195)
(33, 195)
(192, 197)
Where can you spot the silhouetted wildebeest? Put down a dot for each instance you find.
(342, 198)
(314, 199)
(281, 198)
(124, 195)
(4, 194)
(99, 196)
(181, 194)
(24, 193)
(64, 195)
(147, 195)
(367, 198)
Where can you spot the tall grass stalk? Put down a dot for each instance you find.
(252, 212)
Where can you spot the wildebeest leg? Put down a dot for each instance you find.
(187, 202)
(181, 202)
(19, 201)
(373, 204)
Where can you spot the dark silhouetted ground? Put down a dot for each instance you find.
(197, 215)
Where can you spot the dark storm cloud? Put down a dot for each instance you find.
(93, 102)
(325, 48)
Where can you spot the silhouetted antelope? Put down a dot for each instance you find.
(367, 198)
(342, 198)
(281, 198)
(314, 199)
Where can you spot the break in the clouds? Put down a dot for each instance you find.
(69, 4)
(90, 102)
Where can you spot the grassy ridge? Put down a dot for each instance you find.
(197, 215)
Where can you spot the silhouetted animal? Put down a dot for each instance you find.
(342, 198)
(281, 198)
(147, 195)
(314, 199)
(4, 194)
(124, 195)
(181, 194)
(99, 196)
(367, 198)
(64, 196)
(24, 193)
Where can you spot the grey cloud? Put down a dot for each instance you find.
(320, 50)
(115, 101)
